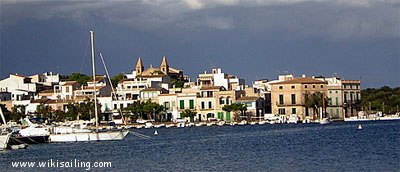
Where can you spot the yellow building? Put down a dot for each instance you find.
(288, 96)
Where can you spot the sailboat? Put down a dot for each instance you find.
(4, 134)
(95, 135)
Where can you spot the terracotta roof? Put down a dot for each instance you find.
(248, 98)
(167, 95)
(301, 81)
(70, 82)
(211, 87)
(20, 75)
(351, 81)
(47, 91)
(152, 72)
(91, 88)
(173, 70)
(153, 89)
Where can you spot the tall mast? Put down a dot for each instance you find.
(94, 77)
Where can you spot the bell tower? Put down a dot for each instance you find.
(164, 65)
(139, 66)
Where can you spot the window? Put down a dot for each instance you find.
(322, 86)
(115, 106)
(221, 100)
(166, 105)
(228, 100)
(336, 101)
(191, 104)
(181, 104)
(209, 105)
(203, 105)
(281, 99)
(280, 87)
(220, 115)
(293, 99)
(293, 110)
(305, 86)
(281, 111)
(209, 94)
(293, 87)
(313, 86)
(121, 106)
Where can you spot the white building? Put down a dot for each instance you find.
(218, 78)
(20, 87)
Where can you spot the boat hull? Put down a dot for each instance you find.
(16, 140)
(4, 141)
(86, 137)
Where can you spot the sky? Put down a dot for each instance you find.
(252, 39)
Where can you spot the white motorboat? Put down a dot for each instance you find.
(324, 121)
(180, 124)
(244, 122)
(33, 134)
(199, 124)
(93, 135)
(293, 119)
(221, 123)
(169, 125)
(148, 125)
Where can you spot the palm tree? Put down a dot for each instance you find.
(315, 101)
(187, 113)
(44, 111)
(236, 107)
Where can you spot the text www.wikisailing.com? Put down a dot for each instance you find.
(87, 165)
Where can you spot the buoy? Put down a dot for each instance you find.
(359, 127)
(155, 132)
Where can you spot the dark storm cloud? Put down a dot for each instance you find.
(304, 36)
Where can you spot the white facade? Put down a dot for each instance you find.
(18, 86)
(47, 78)
(218, 78)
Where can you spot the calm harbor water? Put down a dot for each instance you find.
(295, 147)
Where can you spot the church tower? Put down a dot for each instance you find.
(139, 66)
(164, 65)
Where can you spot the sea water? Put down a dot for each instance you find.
(279, 147)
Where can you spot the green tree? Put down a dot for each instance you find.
(238, 108)
(60, 116)
(117, 78)
(144, 110)
(381, 99)
(18, 112)
(187, 113)
(44, 111)
(136, 109)
(315, 101)
(7, 114)
(85, 110)
(152, 109)
(178, 83)
(82, 79)
(72, 111)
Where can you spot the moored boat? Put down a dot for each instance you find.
(4, 138)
